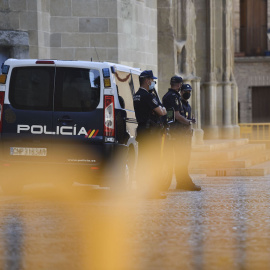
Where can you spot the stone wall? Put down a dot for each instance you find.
(83, 30)
(215, 67)
(137, 33)
(122, 31)
(236, 14)
(176, 40)
(250, 72)
(177, 51)
(195, 41)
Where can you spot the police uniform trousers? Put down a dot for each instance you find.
(149, 141)
(182, 140)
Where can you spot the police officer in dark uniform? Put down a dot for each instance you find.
(181, 132)
(148, 111)
(185, 93)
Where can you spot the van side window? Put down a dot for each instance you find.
(31, 88)
(125, 85)
(77, 89)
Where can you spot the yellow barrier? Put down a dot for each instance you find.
(255, 131)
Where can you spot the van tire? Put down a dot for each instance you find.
(120, 174)
(130, 169)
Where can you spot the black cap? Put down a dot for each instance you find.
(176, 79)
(186, 87)
(148, 74)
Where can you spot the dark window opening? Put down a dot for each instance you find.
(260, 104)
(77, 90)
(31, 88)
(253, 27)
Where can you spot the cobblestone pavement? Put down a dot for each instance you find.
(225, 226)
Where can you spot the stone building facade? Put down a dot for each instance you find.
(196, 42)
(252, 71)
(191, 38)
(102, 30)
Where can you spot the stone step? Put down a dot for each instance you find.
(214, 145)
(266, 142)
(256, 158)
(257, 170)
(230, 158)
(195, 165)
(228, 154)
(242, 162)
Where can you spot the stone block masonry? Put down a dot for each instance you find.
(122, 31)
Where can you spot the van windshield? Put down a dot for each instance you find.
(77, 89)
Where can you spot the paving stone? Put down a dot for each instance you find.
(224, 226)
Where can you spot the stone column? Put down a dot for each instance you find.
(196, 110)
(210, 87)
(227, 129)
(195, 104)
(211, 128)
(236, 128)
(166, 46)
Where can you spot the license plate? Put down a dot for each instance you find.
(28, 151)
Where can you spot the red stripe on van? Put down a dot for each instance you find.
(95, 134)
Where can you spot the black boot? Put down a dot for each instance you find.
(188, 185)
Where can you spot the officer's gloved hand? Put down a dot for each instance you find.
(164, 120)
(193, 120)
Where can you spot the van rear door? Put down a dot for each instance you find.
(27, 116)
(78, 116)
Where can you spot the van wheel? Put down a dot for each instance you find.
(129, 169)
(11, 189)
(127, 184)
(121, 174)
(120, 180)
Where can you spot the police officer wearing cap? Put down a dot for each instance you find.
(148, 112)
(146, 106)
(185, 94)
(181, 132)
(186, 140)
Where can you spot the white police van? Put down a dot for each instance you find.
(66, 119)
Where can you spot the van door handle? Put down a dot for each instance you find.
(64, 120)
